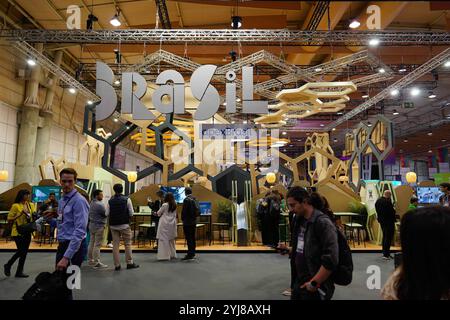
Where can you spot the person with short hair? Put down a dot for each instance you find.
(73, 215)
(97, 222)
(444, 200)
(189, 215)
(21, 213)
(424, 273)
(313, 261)
(119, 210)
(155, 206)
(167, 230)
(386, 217)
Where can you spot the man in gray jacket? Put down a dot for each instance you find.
(97, 222)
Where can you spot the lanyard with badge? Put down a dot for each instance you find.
(61, 212)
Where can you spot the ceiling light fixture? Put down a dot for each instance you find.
(72, 90)
(374, 42)
(430, 133)
(31, 62)
(236, 22)
(89, 102)
(244, 122)
(405, 140)
(395, 112)
(318, 69)
(115, 19)
(402, 68)
(381, 70)
(284, 133)
(447, 64)
(369, 124)
(354, 23)
(415, 92)
(116, 120)
(394, 92)
(334, 129)
(443, 140)
(431, 95)
(365, 95)
(117, 82)
(335, 139)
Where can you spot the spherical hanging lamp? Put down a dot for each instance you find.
(411, 177)
(271, 178)
(132, 176)
(3, 175)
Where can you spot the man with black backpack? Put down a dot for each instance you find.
(189, 214)
(320, 254)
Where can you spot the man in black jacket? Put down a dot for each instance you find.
(386, 218)
(315, 249)
(155, 206)
(189, 215)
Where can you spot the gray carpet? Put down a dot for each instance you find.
(258, 276)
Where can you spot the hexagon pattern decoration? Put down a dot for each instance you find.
(310, 99)
(377, 140)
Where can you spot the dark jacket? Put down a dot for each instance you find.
(189, 212)
(385, 211)
(320, 248)
(118, 210)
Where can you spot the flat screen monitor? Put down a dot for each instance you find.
(41, 193)
(178, 193)
(428, 195)
(205, 208)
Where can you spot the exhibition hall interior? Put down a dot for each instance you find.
(237, 102)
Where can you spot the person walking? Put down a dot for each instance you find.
(72, 219)
(21, 213)
(97, 222)
(119, 210)
(386, 217)
(189, 215)
(167, 229)
(313, 261)
(424, 273)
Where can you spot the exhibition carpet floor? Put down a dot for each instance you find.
(260, 276)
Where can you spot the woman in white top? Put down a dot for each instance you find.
(167, 228)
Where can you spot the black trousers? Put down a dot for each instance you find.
(189, 235)
(388, 235)
(77, 258)
(22, 243)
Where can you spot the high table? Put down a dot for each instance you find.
(351, 215)
(141, 215)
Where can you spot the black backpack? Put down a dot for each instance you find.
(343, 273)
(48, 286)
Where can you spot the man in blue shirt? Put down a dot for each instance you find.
(72, 218)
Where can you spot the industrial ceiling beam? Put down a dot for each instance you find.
(274, 37)
(431, 64)
(163, 14)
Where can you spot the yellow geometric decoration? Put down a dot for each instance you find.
(314, 97)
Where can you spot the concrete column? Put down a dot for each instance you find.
(28, 128)
(43, 133)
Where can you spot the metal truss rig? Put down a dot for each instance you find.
(276, 36)
(404, 81)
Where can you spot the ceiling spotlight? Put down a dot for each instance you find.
(340, 113)
(395, 113)
(334, 129)
(415, 92)
(89, 102)
(244, 122)
(443, 140)
(236, 22)
(115, 20)
(233, 122)
(224, 104)
(430, 133)
(116, 120)
(365, 95)
(447, 64)
(381, 70)
(322, 125)
(72, 90)
(318, 69)
(354, 24)
(31, 62)
(394, 92)
(431, 95)
(430, 151)
(374, 42)
(369, 124)
(117, 82)
(402, 68)
(335, 140)
(238, 100)
(284, 133)
(405, 140)
(419, 145)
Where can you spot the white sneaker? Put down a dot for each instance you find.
(287, 293)
(100, 265)
(109, 245)
(92, 263)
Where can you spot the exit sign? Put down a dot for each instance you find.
(408, 105)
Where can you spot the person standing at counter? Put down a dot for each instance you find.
(21, 213)
(444, 200)
(167, 231)
(386, 217)
(155, 206)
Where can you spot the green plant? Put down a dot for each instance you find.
(224, 211)
(357, 207)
